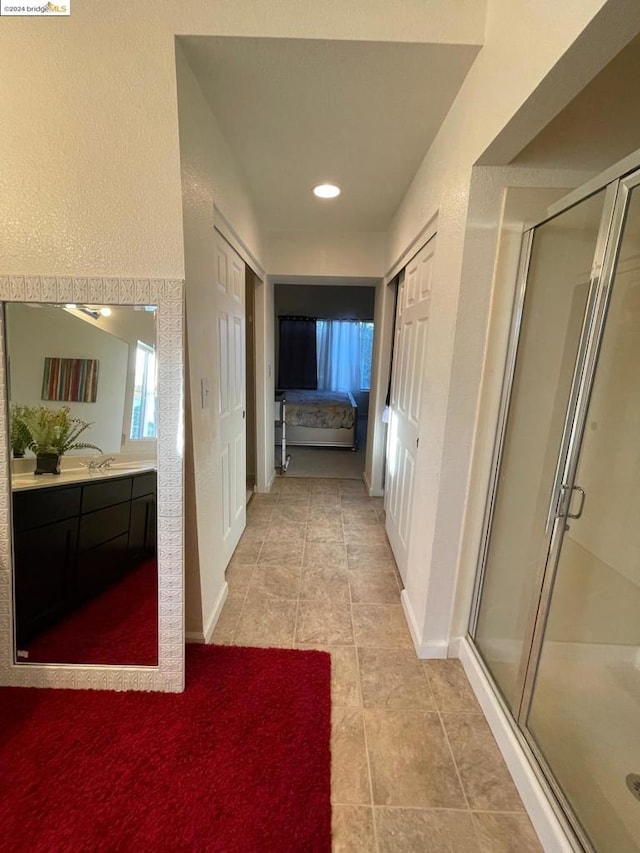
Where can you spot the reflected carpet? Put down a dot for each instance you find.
(118, 626)
(239, 762)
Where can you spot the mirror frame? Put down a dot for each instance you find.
(168, 675)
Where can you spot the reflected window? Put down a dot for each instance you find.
(145, 408)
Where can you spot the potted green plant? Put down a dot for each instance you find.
(19, 436)
(53, 432)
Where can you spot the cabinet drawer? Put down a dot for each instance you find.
(37, 507)
(102, 525)
(97, 569)
(144, 484)
(105, 493)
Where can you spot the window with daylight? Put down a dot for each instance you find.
(344, 350)
(144, 415)
(366, 351)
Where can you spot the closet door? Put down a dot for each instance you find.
(231, 380)
(548, 347)
(414, 301)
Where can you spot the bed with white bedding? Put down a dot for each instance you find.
(320, 418)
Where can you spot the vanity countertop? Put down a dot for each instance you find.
(20, 482)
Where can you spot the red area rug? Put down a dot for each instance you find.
(239, 762)
(119, 626)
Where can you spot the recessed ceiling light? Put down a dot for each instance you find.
(326, 190)
(106, 312)
(71, 305)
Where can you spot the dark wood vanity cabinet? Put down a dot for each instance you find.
(142, 529)
(42, 584)
(72, 542)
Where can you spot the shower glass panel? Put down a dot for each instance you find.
(585, 710)
(556, 297)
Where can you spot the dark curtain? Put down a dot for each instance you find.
(297, 364)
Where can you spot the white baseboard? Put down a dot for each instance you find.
(454, 647)
(423, 650)
(373, 493)
(206, 635)
(272, 480)
(215, 614)
(264, 490)
(554, 834)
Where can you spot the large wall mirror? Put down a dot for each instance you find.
(91, 580)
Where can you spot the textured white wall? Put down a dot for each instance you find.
(331, 255)
(208, 175)
(89, 157)
(524, 43)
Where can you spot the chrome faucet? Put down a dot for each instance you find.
(102, 465)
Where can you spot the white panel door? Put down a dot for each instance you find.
(410, 345)
(230, 332)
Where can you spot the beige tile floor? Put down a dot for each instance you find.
(414, 765)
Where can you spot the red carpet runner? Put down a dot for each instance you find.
(239, 762)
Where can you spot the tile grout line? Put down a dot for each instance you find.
(446, 809)
(368, 757)
(304, 548)
(232, 639)
(234, 633)
(499, 811)
(361, 696)
(448, 742)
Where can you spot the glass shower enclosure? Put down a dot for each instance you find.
(556, 618)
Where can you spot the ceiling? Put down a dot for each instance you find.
(300, 112)
(600, 126)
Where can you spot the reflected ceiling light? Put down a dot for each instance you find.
(106, 312)
(326, 191)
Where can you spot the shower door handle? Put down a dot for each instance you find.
(570, 490)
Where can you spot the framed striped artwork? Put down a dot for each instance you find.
(73, 380)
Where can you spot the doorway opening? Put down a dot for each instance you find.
(323, 346)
